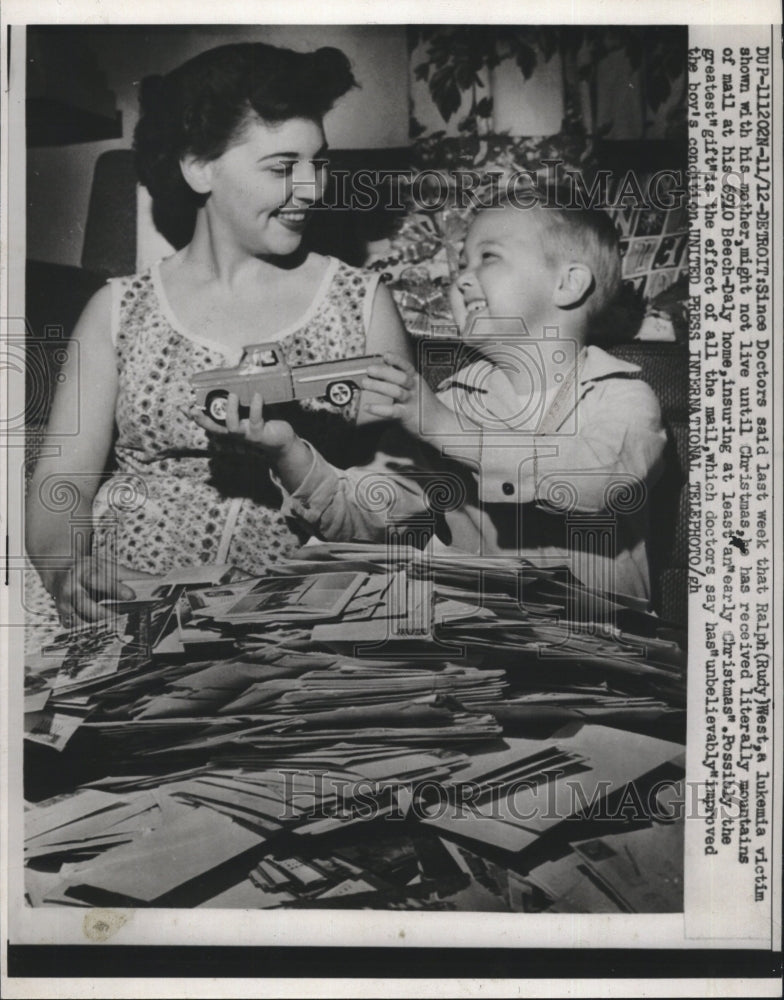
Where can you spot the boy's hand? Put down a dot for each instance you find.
(270, 436)
(411, 400)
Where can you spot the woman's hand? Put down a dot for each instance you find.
(411, 400)
(287, 453)
(79, 587)
(270, 436)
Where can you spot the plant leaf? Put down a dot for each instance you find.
(525, 57)
(415, 127)
(547, 40)
(484, 108)
(465, 76)
(445, 92)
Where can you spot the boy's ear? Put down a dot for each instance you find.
(197, 173)
(574, 285)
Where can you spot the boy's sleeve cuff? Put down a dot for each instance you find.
(506, 471)
(314, 494)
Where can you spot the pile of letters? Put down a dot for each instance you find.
(247, 729)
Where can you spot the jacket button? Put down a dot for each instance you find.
(507, 489)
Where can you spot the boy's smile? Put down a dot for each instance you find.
(506, 273)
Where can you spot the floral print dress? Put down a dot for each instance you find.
(175, 499)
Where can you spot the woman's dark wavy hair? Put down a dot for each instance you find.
(201, 106)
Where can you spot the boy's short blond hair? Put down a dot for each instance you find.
(585, 235)
(589, 236)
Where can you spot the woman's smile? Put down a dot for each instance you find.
(262, 188)
(293, 219)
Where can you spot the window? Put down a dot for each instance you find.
(259, 358)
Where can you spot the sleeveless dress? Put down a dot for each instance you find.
(178, 499)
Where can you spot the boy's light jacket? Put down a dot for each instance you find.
(560, 483)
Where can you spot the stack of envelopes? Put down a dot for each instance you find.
(192, 823)
(401, 647)
(544, 787)
(220, 700)
(635, 871)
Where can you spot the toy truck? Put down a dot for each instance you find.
(262, 369)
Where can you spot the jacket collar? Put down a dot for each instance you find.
(598, 364)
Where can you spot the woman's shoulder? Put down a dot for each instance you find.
(142, 275)
(340, 270)
(127, 288)
(349, 287)
(134, 301)
(97, 311)
(138, 289)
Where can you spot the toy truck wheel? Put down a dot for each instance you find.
(340, 393)
(215, 407)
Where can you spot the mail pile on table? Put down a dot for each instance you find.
(240, 721)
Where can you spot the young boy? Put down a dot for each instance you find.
(547, 446)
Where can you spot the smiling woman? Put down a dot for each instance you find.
(264, 183)
(234, 139)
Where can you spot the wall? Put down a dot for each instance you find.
(59, 178)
